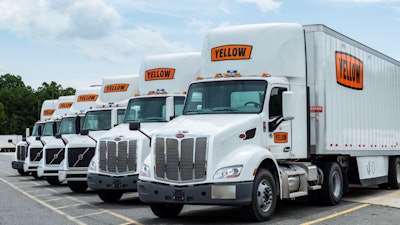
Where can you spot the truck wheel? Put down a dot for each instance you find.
(394, 173)
(166, 210)
(35, 175)
(264, 197)
(332, 188)
(53, 181)
(78, 186)
(22, 172)
(110, 196)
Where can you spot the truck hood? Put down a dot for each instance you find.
(123, 131)
(79, 141)
(210, 125)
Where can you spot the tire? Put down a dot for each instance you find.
(53, 181)
(332, 188)
(166, 210)
(264, 197)
(35, 175)
(78, 186)
(394, 173)
(110, 196)
(22, 172)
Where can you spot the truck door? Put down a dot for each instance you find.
(279, 136)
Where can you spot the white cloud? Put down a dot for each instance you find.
(123, 44)
(264, 5)
(58, 19)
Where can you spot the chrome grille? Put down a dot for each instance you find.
(22, 152)
(118, 157)
(80, 157)
(54, 156)
(36, 154)
(181, 159)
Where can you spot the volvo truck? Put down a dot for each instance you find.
(163, 82)
(108, 112)
(70, 125)
(282, 111)
(21, 149)
(35, 149)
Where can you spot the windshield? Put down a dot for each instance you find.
(35, 130)
(97, 120)
(219, 97)
(48, 128)
(151, 109)
(67, 126)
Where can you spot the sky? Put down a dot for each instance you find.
(77, 42)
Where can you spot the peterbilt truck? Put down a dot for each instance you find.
(50, 128)
(70, 125)
(282, 111)
(163, 82)
(108, 112)
(21, 149)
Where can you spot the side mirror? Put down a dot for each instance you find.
(27, 132)
(288, 105)
(84, 132)
(169, 108)
(134, 126)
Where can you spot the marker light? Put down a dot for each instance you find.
(265, 75)
(137, 94)
(218, 75)
(199, 78)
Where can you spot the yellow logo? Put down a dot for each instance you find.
(116, 88)
(48, 112)
(87, 98)
(159, 74)
(231, 52)
(349, 70)
(65, 105)
(281, 137)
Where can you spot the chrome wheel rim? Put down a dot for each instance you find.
(264, 195)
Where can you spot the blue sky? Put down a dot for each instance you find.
(77, 42)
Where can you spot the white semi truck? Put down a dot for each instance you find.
(289, 111)
(164, 80)
(21, 150)
(70, 125)
(108, 113)
(50, 128)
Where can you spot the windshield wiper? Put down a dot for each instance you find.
(223, 109)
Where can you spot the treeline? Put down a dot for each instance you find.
(20, 105)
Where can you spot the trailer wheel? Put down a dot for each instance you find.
(332, 188)
(22, 172)
(110, 196)
(264, 197)
(53, 181)
(78, 186)
(394, 173)
(166, 210)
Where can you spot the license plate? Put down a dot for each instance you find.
(178, 195)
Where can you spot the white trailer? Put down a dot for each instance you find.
(9, 142)
(21, 150)
(164, 80)
(70, 125)
(109, 111)
(292, 111)
(35, 149)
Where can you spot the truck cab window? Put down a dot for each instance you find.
(275, 102)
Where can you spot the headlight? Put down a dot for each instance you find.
(228, 172)
(145, 172)
(92, 166)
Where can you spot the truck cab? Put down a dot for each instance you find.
(163, 82)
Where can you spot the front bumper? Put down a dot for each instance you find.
(47, 171)
(17, 165)
(104, 182)
(72, 175)
(204, 194)
(31, 166)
